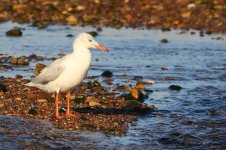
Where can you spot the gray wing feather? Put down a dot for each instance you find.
(50, 73)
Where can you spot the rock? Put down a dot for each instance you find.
(93, 33)
(140, 85)
(134, 94)
(14, 32)
(61, 54)
(166, 29)
(2, 105)
(39, 67)
(3, 67)
(19, 61)
(175, 87)
(14, 60)
(94, 84)
(72, 20)
(69, 35)
(163, 68)
(79, 99)
(2, 88)
(220, 38)
(133, 104)
(150, 82)
(19, 76)
(186, 14)
(107, 74)
(137, 78)
(33, 111)
(93, 103)
(31, 96)
(99, 29)
(22, 62)
(209, 32)
(92, 99)
(164, 41)
(42, 100)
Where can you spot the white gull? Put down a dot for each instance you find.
(67, 72)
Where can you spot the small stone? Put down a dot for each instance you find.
(69, 35)
(164, 41)
(164, 68)
(19, 76)
(39, 67)
(93, 33)
(150, 82)
(140, 85)
(33, 111)
(61, 54)
(99, 29)
(93, 103)
(166, 29)
(14, 32)
(107, 74)
(71, 20)
(134, 94)
(14, 60)
(175, 87)
(79, 99)
(186, 14)
(2, 105)
(220, 38)
(137, 78)
(133, 104)
(2, 88)
(42, 100)
(22, 62)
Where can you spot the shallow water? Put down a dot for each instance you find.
(193, 118)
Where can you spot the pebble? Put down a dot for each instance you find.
(14, 32)
(150, 82)
(175, 87)
(164, 41)
(39, 67)
(2, 88)
(107, 74)
(42, 100)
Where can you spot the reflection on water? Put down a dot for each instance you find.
(195, 117)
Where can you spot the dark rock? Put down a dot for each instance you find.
(133, 104)
(94, 84)
(192, 32)
(19, 76)
(201, 33)
(148, 66)
(99, 29)
(14, 60)
(62, 110)
(135, 94)
(2, 67)
(164, 41)
(61, 54)
(33, 111)
(14, 32)
(2, 88)
(164, 68)
(166, 29)
(137, 78)
(175, 87)
(69, 35)
(107, 74)
(209, 32)
(79, 99)
(93, 33)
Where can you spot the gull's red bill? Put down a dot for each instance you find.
(102, 48)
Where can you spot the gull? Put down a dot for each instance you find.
(66, 73)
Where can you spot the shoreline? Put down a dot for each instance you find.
(207, 16)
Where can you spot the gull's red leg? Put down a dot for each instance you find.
(57, 105)
(68, 114)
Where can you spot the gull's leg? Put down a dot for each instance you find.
(68, 114)
(57, 105)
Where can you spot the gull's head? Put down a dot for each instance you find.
(88, 41)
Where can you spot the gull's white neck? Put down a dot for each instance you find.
(80, 50)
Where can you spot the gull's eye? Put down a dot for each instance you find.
(90, 40)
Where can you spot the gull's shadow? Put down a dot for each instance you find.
(113, 111)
